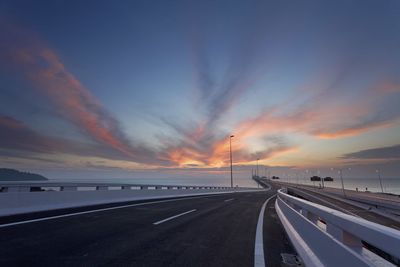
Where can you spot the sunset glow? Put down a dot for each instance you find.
(164, 91)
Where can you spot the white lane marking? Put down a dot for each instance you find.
(226, 200)
(259, 245)
(173, 217)
(93, 211)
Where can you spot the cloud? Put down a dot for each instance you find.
(324, 116)
(25, 142)
(15, 135)
(389, 87)
(43, 67)
(389, 152)
(204, 143)
(218, 90)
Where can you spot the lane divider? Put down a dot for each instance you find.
(93, 211)
(173, 217)
(259, 259)
(227, 200)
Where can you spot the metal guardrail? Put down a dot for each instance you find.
(26, 197)
(326, 237)
(261, 182)
(377, 200)
(56, 186)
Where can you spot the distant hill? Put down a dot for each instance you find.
(14, 175)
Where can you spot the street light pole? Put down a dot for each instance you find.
(322, 179)
(257, 167)
(341, 178)
(230, 152)
(380, 179)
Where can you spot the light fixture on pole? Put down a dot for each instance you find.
(230, 152)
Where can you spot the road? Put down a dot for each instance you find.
(323, 199)
(216, 230)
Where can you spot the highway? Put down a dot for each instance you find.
(323, 199)
(217, 230)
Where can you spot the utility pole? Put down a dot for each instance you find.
(341, 178)
(257, 167)
(230, 152)
(380, 179)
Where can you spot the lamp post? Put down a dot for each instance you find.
(230, 152)
(257, 167)
(305, 176)
(341, 179)
(380, 179)
(322, 179)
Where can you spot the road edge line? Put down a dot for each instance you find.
(259, 259)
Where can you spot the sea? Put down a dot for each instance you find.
(390, 185)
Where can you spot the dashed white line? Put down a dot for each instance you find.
(259, 245)
(173, 217)
(227, 200)
(92, 211)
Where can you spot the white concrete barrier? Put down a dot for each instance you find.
(17, 198)
(327, 237)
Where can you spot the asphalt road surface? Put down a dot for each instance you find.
(319, 198)
(208, 231)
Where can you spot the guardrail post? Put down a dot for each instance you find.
(68, 188)
(336, 232)
(351, 240)
(101, 187)
(312, 217)
(18, 189)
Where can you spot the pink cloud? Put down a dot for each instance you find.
(45, 69)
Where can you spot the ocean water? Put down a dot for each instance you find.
(390, 185)
(242, 181)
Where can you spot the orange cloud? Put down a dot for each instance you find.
(321, 120)
(45, 69)
(353, 131)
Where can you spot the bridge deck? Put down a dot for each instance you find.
(321, 197)
(214, 230)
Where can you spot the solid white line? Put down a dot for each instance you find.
(93, 211)
(226, 200)
(173, 217)
(259, 245)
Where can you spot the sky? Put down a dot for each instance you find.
(155, 88)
